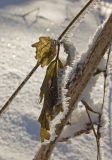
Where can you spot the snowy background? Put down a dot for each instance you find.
(22, 22)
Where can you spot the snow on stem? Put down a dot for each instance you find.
(91, 62)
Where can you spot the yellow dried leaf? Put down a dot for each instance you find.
(50, 73)
(44, 134)
(49, 91)
(53, 68)
(45, 50)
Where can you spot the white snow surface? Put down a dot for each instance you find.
(19, 128)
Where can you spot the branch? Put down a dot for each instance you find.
(90, 120)
(76, 18)
(79, 124)
(78, 133)
(102, 107)
(3, 109)
(78, 84)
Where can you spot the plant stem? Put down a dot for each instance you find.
(36, 66)
(95, 134)
(103, 101)
(18, 89)
(74, 20)
(78, 85)
(90, 119)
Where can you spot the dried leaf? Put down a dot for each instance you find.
(44, 134)
(45, 50)
(49, 90)
(50, 73)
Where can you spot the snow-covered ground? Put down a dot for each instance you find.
(19, 128)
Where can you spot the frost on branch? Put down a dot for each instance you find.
(79, 122)
(71, 52)
(56, 89)
(53, 90)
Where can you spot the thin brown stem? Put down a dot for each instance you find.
(90, 119)
(88, 107)
(3, 109)
(95, 133)
(100, 116)
(35, 67)
(75, 19)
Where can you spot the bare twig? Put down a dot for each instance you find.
(88, 126)
(85, 131)
(75, 19)
(88, 107)
(3, 109)
(91, 122)
(94, 131)
(100, 116)
(60, 37)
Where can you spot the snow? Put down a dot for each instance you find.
(19, 128)
(79, 119)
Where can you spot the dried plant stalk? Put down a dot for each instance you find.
(78, 85)
(76, 18)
